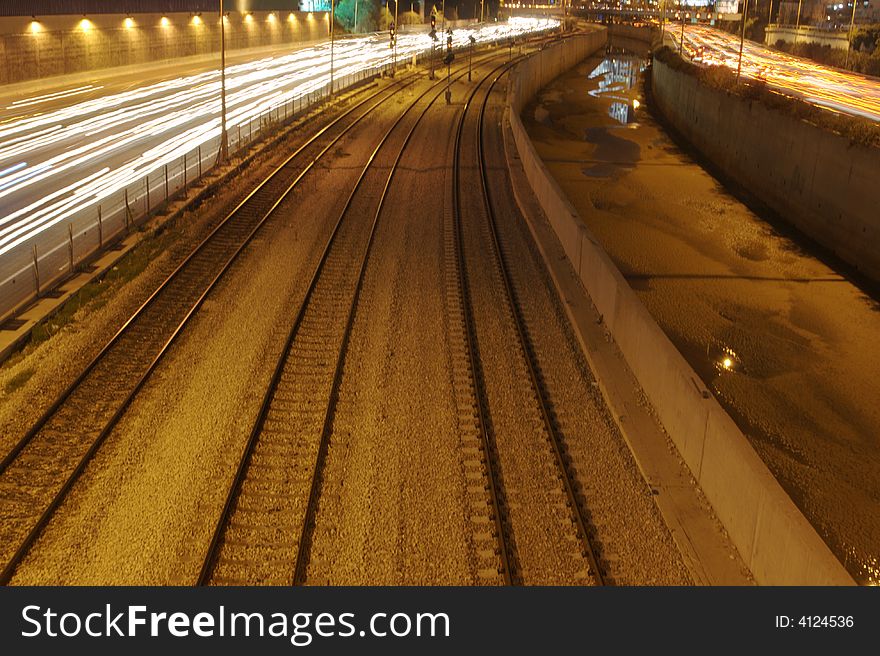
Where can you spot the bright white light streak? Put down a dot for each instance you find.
(127, 135)
(36, 100)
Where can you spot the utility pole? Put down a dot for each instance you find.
(849, 37)
(332, 21)
(742, 38)
(448, 65)
(681, 40)
(224, 139)
(433, 35)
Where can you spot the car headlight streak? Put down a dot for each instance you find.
(63, 158)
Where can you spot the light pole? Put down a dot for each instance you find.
(482, 2)
(332, 21)
(798, 22)
(355, 16)
(681, 40)
(396, 27)
(852, 22)
(770, 13)
(742, 38)
(224, 139)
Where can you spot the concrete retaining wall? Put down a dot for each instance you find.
(773, 537)
(58, 45)
(806, 34)
(816, 180)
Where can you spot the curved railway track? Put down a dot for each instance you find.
(278, 479)
(489, 461)
(39, 471)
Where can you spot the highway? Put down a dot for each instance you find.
(64, 152)
(834, 89)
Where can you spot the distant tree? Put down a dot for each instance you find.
(367, 15)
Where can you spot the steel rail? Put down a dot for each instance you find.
(32, 535)
(212, 553)
(61, 398)
(531, 365)
(492, 476)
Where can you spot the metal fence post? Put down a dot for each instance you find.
(184, 174)
(127, 212)
(200, 160)
(70, 244)
(100, 229)
(166, 183)
(147, 182)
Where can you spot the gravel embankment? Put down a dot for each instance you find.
(632, 537)
(145, 508)
(393, 507)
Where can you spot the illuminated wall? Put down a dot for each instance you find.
(56, 45)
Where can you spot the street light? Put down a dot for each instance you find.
(332, 21)
(224, 139)
(681, 40)
(742, 38)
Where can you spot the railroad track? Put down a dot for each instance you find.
(38, 472)
(483, 455)
(277, 483)
(296, 384)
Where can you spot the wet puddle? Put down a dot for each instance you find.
(616, 81)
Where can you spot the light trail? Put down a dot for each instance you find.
(834, 89)
(67, 156)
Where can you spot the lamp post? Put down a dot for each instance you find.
(332, 21)
(224, 139)
(355, 16)
(681, 40)
(770, 13)
(852, 22)
(742, 38)
(798, 21)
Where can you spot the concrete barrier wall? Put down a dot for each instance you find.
(57, 45)
(773, 537)
(806, 34)
(816, 180)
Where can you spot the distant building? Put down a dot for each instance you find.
(839, 14)
(812, 12)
